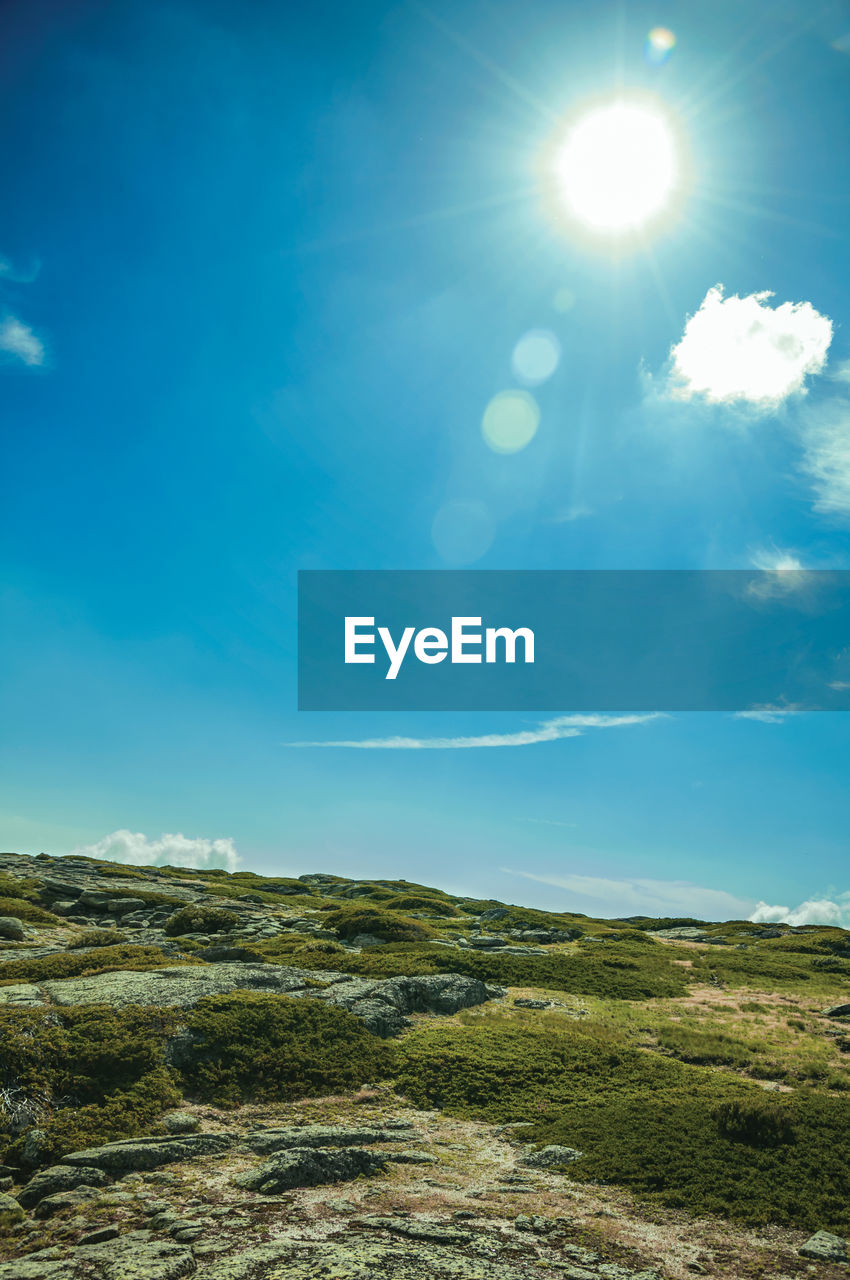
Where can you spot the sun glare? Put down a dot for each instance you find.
(616, 169)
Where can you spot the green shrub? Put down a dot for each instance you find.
(634, 972)
(647, 1122)
(706, 1047)
(86, 1075)
(349, 921)
(98, 938)
(760, 1122)
(25, 910)
(103, 960)
(18, 887)
(200, 919)
(251, 1045)
(423, 902)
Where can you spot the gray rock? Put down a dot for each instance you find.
(133, 1258)
(149, 1153)
(22, 993)
(36, 1146)
(367, 940)
(826, 1247)
(309, 1167)
(178, 986)
(268, 1141)
(495, 913)
(837, 1011)
(122, 906)
(414, 1228)
(180, 1122)
(60, 1177)
(10, 1211)
(99, 1235)
(65, 1200)
(12, 928)
(486, 941)
(551, 1157)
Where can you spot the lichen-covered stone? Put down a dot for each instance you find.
(311, 1167)
(149, 1153)
(60, 1177)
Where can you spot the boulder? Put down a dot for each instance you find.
(65, 1200)
(267, 1141)
(149, 1153)
(180, 1122)
(12, 928)
(826, 1247)
(311, 1167)
(122, 906)
(551, 1157)
(10, 1211)
(837, 1011)
(60, 1177)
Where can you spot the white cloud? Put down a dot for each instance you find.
(643, 896)
(826, 460)
(548, 731)
(783, 572)
(169, 850)
(812, 911)
(775, 560)
(770, 712)
(743, 351)
(18, 340)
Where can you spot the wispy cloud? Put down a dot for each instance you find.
(826, 458)
(775, 560)
(813, 911)
(742, 351)
(548, 731)
(771, 713)
(169, 850)
(18, 339)
(644, 896)
(782, 574)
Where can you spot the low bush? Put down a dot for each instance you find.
(634, 972)
(705, 1047)
(249, 1045)
(79, 965)
(760, 1122)
(97, 938)
(695, 1139)
(25, 910)
(197, 918)
(18, 887)
(351, 920)
(85, 1075)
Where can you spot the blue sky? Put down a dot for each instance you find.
(263, 270)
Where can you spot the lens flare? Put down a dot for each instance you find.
(510, 421)
(536, 355)
(660, 43)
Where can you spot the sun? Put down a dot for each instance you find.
(617, 167)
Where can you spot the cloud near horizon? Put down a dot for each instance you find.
(548, 731)
(176, 850)
(645, 896)
(600, 896)
(17, 339)
(742, 351)
(834, 911)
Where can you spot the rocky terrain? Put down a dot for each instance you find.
(228, 1076)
